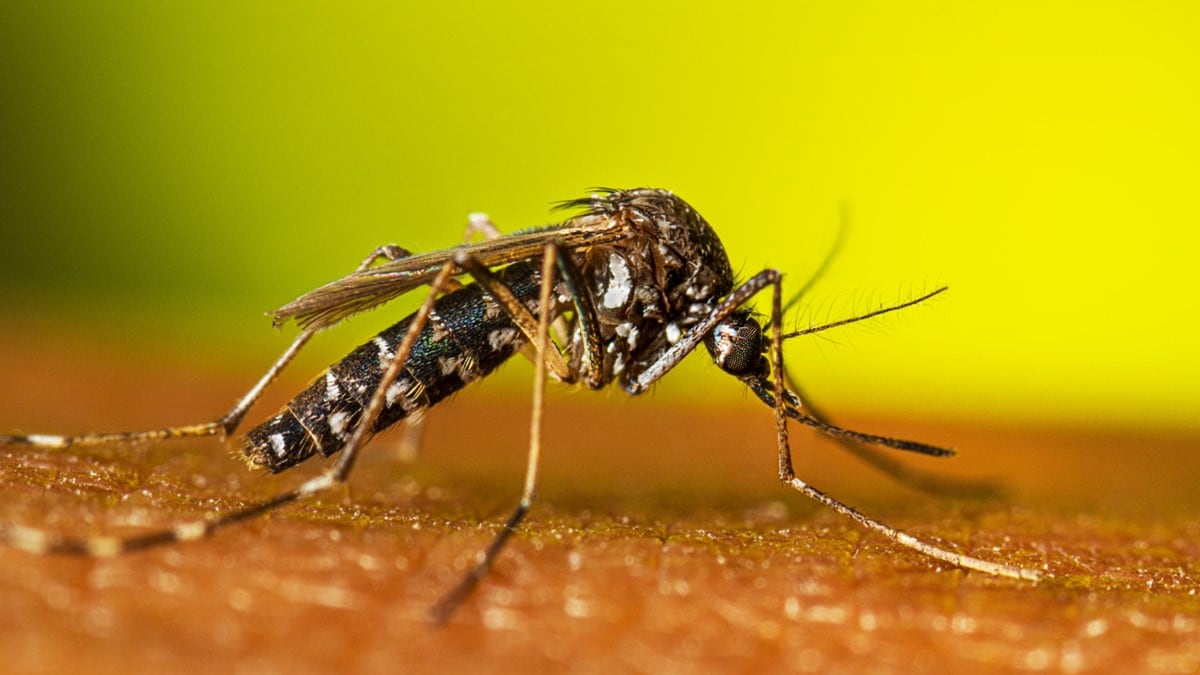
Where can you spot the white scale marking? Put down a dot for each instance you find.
(47, 441)
(673, 333)
(491, 308)
(459, 365)
(619, 283)
(437, 328)
(501, 338)
(411, 404)
(337, 424)
(385, 350)
(332, 390)
(278, 445)
(190, 531)
(449, 364)
(315, 484)
(28, 539)
(396, 390)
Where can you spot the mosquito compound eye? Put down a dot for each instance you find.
(736, 345)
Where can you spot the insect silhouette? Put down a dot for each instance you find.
(620, 292)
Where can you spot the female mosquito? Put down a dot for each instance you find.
(623, 291)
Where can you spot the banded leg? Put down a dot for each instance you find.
(230, 421)
(544, 361)
(42, 542)
(786, 404)
(223, 426)
(788, 476)
(37, 541)
(445, 608)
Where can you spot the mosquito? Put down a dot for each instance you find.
(621, 291)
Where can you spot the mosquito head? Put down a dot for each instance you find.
(737, 346)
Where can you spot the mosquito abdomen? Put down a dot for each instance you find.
(468, 335)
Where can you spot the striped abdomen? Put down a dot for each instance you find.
(468, 335)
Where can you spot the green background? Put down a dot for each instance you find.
(170, 171)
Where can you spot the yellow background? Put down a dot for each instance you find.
(172, 170)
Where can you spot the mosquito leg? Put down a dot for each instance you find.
(230, 421)
(638, 382)
(445, 608)
(57, 442)
(781, 433)
(788, 477)
(936, 552)
(480, 223)
(345, 462)
(588, 326)
(518, 312)
(957, 559)
(414, 425)
(38, 541)
(584, 313)
(785, 404)
(224, 426)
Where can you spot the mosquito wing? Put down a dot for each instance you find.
(372, 287)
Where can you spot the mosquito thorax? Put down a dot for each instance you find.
(665, 277)
(736, 345)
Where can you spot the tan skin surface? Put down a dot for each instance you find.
(661, 543)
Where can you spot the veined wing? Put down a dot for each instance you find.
(372, 287)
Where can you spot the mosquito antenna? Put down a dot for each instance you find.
(864, 317)
(838, 242)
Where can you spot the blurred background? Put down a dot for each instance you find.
(171, 171)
